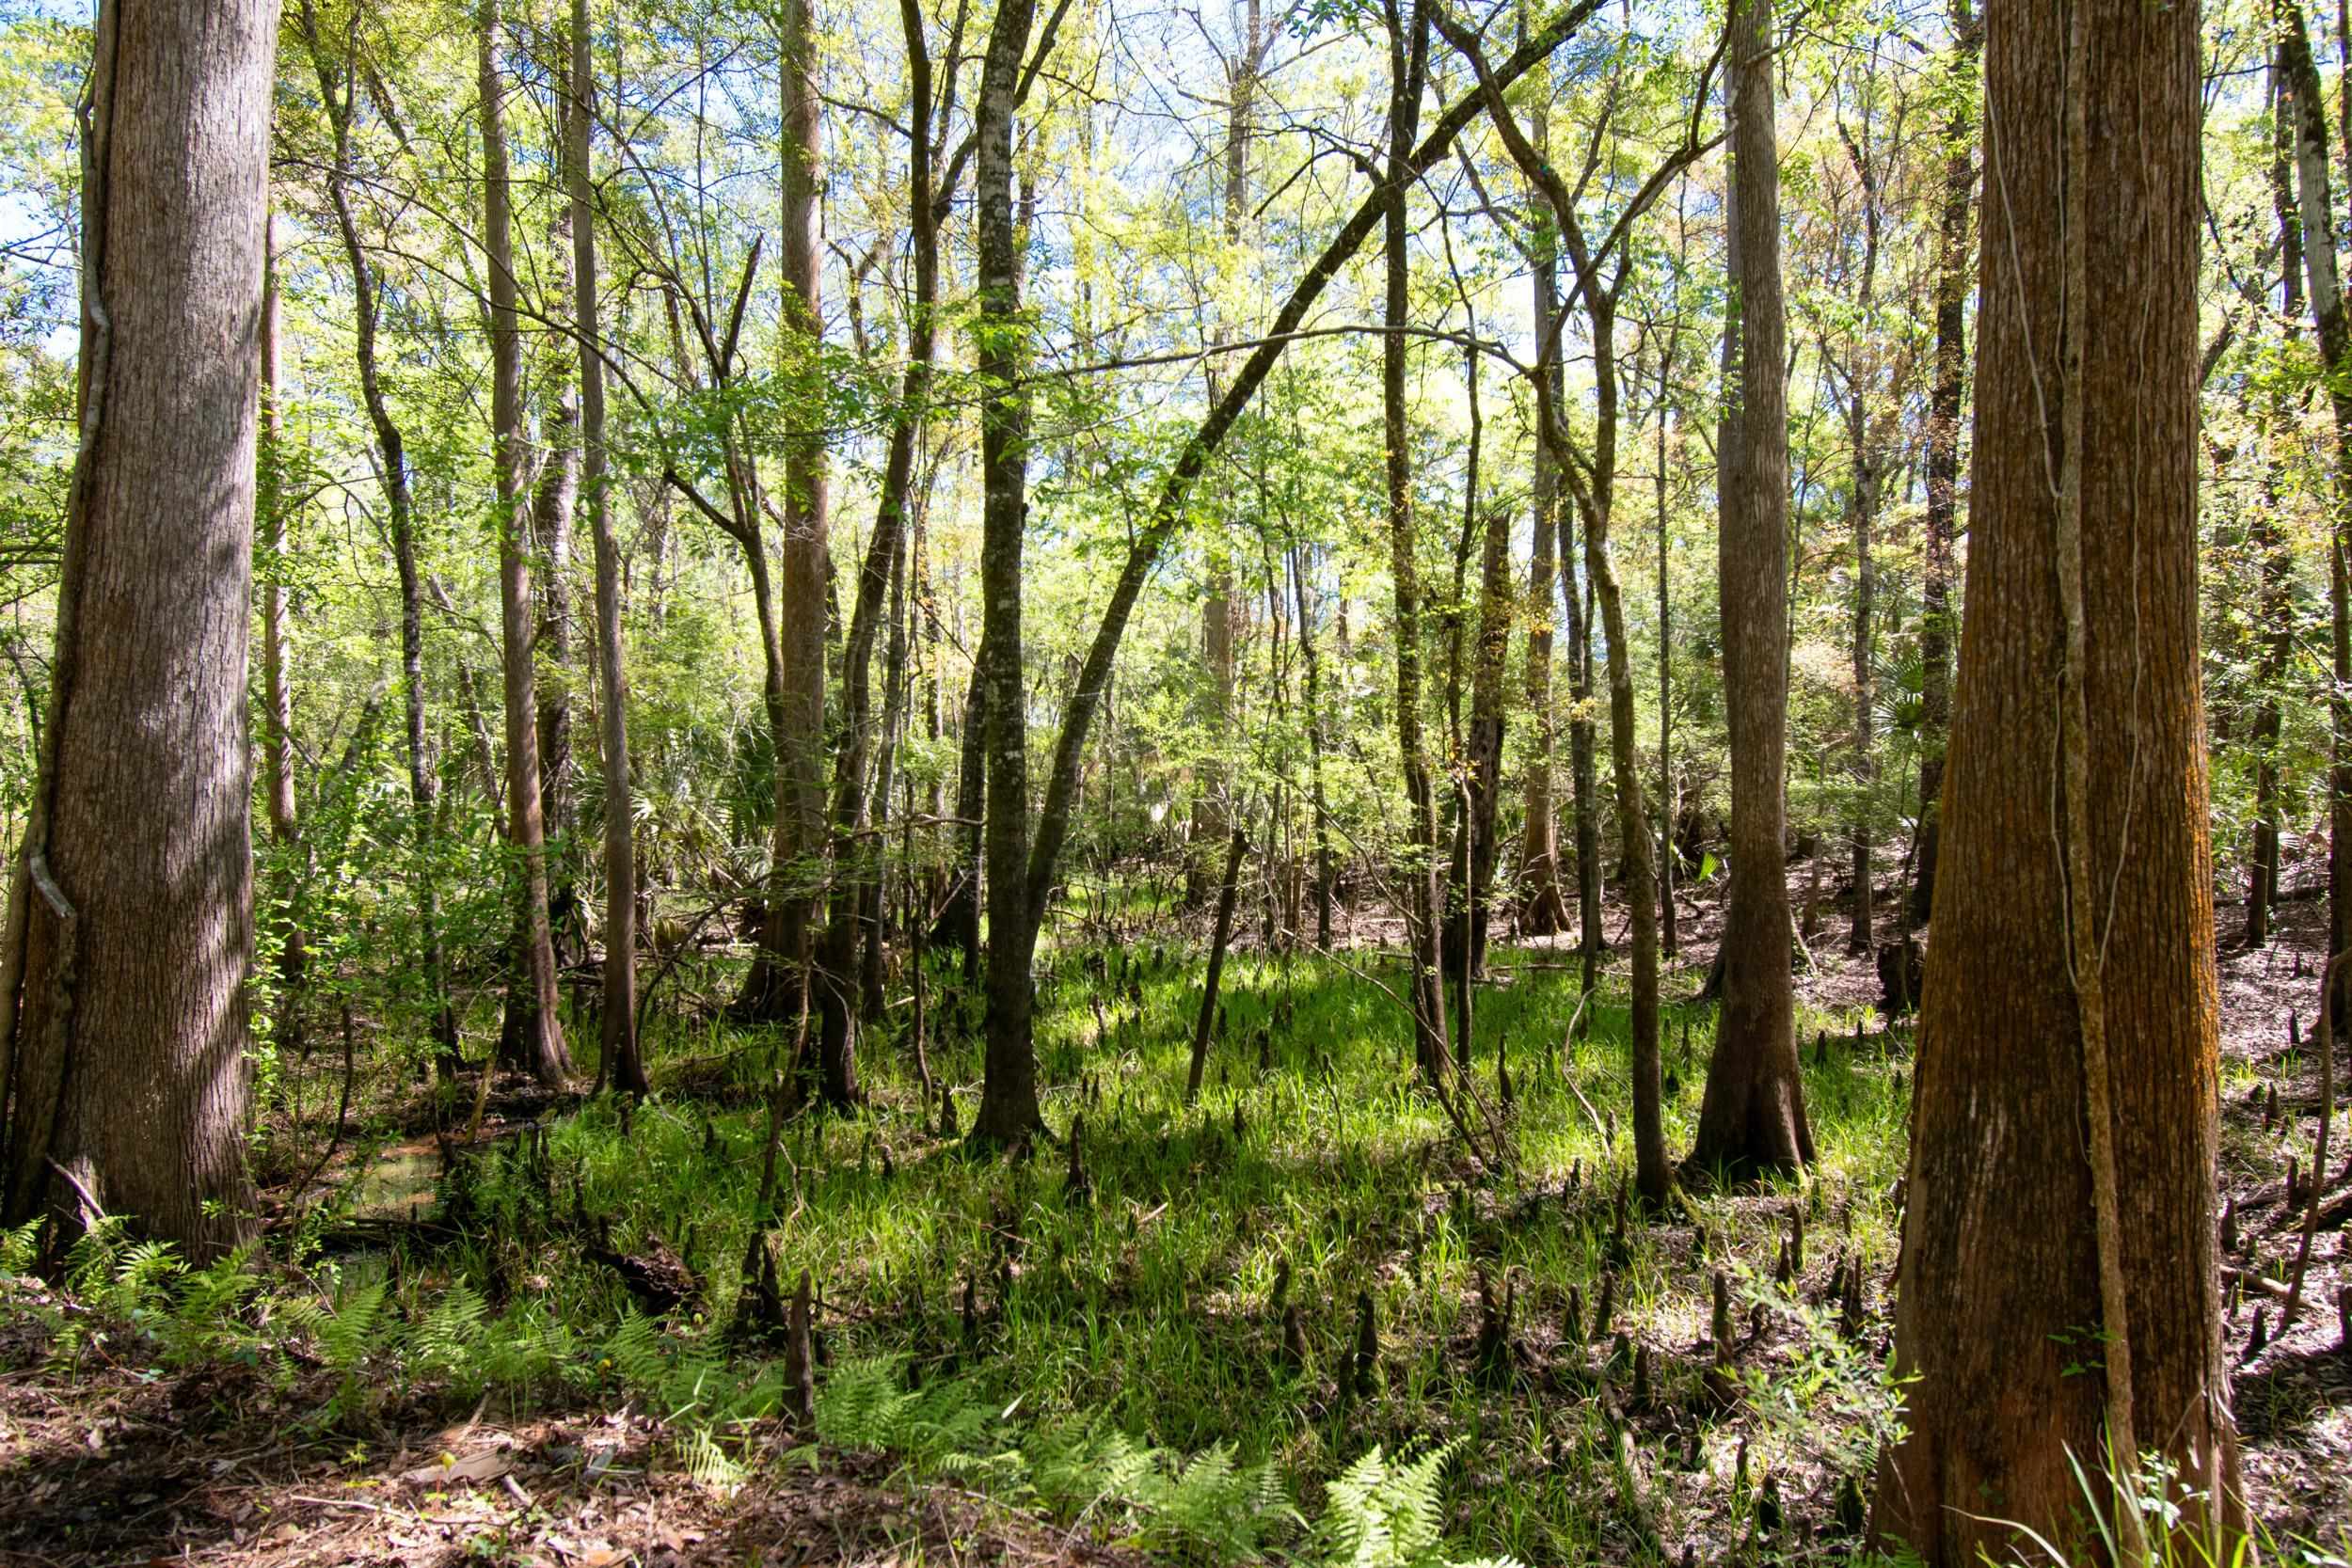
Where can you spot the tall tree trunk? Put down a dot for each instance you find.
(1485, 753)
(553, 503)
(1937, 624)
(123, 1022)
(2278, 606)
(1668, 940)
(1009, 1112)
(1544, 912)
(532, 1039)
(1863, 504)
(2076, 905)
(873, 925)
(1408, 54)
(620, 1056)
(773, 991)
(1753, 1117)
(1584, 779)
(1653, 1177)
(338, 86)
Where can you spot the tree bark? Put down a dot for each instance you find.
(533, 1037)
(1008, 1113)
(125, 1031)
(1544, 912)
(2075, 902)
(772, 992)
(1486, 732)
(554, 503)
(1752, 1118)
(1668, 940)
(619, 1056)
(1861, 379)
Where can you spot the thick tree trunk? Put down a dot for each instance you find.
(804, 582)
(122, 1054)
(2075, 904)
(1753, 1117)
(1937, 624)
(1408, 54)
(1009, 1112)
(533, 1037)
(620, 1057)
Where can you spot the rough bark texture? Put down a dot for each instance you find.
(619, 1058)
(803, 584)
(1543, 912)
(1863, 378)
(1936, 623)
(2001, 1265)
(1008, 1111)
(554, 502)
(122, 1064)
(1753, 1117)
(533, 1037)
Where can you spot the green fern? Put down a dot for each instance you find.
(708, 1464)
(1381, 1514)
(18, 1248)
(446, 1344)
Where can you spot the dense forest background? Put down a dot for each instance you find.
(1119, 778)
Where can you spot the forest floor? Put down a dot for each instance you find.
(557, 1364)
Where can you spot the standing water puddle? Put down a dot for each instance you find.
(401, 1184)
